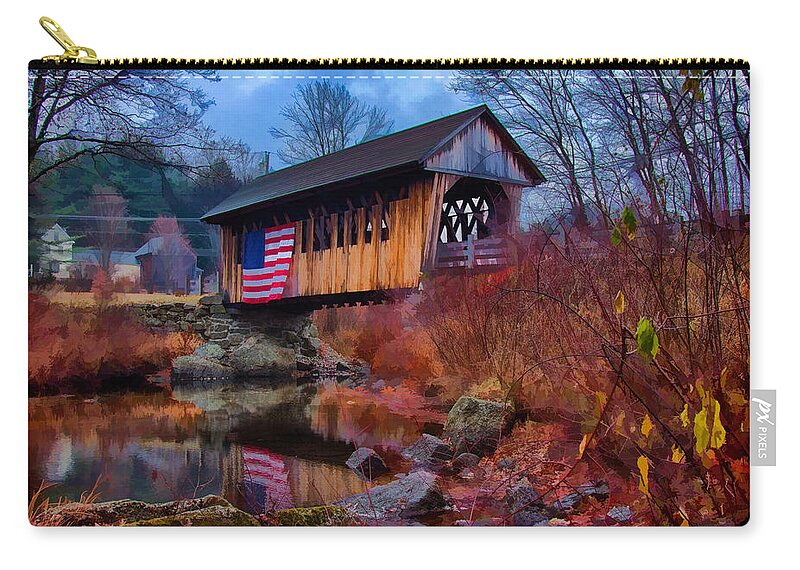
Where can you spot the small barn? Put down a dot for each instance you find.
(373, 217)
(122, 264)
(168, 265)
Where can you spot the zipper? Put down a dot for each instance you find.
(73, 53)
(79, 57)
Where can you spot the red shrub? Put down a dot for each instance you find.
(79, 347)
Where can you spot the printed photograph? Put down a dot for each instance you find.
(388, 297)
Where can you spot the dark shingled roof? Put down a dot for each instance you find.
(404, 148)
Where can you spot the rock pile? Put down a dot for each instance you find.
(211, 510)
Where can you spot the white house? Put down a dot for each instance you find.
(56, 256)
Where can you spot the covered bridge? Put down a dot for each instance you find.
(373, 217)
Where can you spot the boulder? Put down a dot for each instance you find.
(209, 350)
(415, 495)
(211, 300)
(310, 330)
(475, 426)
(126, 511)
(531, 517)
(472, 473)
(193, 368)
(263, 357)
(525, 505)
(326, 515)
(522, 495)
(506, 463)
(429, 451)
(620, 514)
(598, 490)
(217, 515)
(366, 463)
(305, 364)
(466, 460)
(311, 346)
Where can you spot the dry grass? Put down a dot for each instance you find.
(87, 299)
(42, 511)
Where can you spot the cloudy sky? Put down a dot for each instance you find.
(248, 103)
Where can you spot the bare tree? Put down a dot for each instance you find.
(173, 254)
(108, 225)
(670, 144)
(151, 117)
(323, 118)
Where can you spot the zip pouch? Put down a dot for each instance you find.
(385, 292)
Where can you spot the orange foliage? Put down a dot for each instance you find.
(411, 355)
(79, 347)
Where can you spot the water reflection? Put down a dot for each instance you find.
(260, 448)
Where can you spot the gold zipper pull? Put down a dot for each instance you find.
(72, 52)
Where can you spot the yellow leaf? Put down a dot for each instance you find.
(644, 470)
(701, 434)
(619, 303)
(600, 401)
(677, 454)
(717, 430)
(685, 415)
(700, 390)
(647, 425)
(582, 446)
(684, 520)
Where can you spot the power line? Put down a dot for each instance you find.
(110, 218)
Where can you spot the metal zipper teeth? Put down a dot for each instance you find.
(391, 63)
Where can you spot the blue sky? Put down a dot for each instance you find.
(248, 103)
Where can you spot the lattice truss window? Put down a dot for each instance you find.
(463, 217)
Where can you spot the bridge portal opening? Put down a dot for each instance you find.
(474, 217)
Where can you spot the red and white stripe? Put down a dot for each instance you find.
(266, 284)
(270, 472)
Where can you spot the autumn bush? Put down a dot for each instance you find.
(634, 340)
(638, 343)
(78, 348)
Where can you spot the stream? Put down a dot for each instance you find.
(261, 448)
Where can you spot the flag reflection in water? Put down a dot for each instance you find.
(266, 480)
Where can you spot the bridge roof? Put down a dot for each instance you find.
(407, 149)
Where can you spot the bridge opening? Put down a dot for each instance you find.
(474, 219)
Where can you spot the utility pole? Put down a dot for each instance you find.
(266, 162)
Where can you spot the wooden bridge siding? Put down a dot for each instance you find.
(491, 160)
(514, 195)
(376, 265)
(231, 267)
(434, 199)
(394, 263)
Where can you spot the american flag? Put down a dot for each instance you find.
(266, 262)
(266, 479)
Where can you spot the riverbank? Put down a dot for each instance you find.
(85, 349)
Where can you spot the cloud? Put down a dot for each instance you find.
(248, 102)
